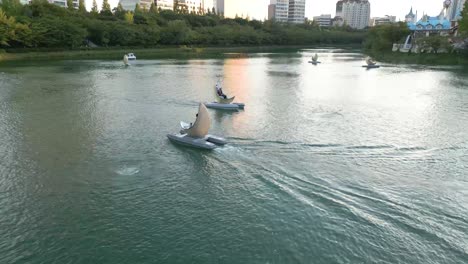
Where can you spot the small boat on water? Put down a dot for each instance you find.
(196, 134)
(314, 60)
(131, 56)
(223, 102)
(370, 64)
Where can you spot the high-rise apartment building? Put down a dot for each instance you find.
(377, 21)
(209, 4)
(271, 10)
(219, 6)
(278, 10)
(63, 3)
(296, 11)
(130, 4)
(339, 9)
(192, 6)
(323, 20)
(164, 4)
(356, 13)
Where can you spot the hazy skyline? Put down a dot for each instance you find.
(258, 9)
(398, 8)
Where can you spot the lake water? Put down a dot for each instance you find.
(327, 164)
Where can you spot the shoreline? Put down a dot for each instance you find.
(155, 53)
(430, 59)
(185, 52)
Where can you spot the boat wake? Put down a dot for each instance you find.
(127, 171)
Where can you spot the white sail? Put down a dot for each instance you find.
(202, 124)
(315, 57)
(369, 61)
(125, 59)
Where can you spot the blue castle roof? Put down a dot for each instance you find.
(430, 23)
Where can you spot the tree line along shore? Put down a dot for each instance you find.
(43, 25)
(28, 31)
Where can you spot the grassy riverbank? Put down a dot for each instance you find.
(423, 59)
(149, 53)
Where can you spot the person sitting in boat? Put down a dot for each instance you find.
(219, 90)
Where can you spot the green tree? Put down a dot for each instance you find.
(56, 32)
(12, 7)
(106, 9)
(41, 24)
(70, 5)
(98, 33)
(7, 25)
(82, 6)
(137, 9)
(129, 17)
(119, 11)
(381, 38)
(464, 20)
(13, 33)
(94, 9)
(153, 9)
(433, 43)
(176, 32)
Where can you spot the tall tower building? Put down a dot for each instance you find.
(356, 13)
(219, 6)
(272, 10)
(339, 9)
(296, 11)
(278, 10)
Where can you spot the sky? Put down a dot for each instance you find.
(259, 8)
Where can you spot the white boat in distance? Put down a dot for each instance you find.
(131, 56)
(315, 59)
(370, 64)
(196, 134)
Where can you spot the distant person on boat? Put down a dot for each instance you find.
(219, 91)
(196, 116)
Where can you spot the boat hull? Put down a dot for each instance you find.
(216, 140)
(231, 106)
(371, 66)
(185, 140)
(315, 62)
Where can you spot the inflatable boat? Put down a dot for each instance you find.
(223, 102)
(196, 135)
